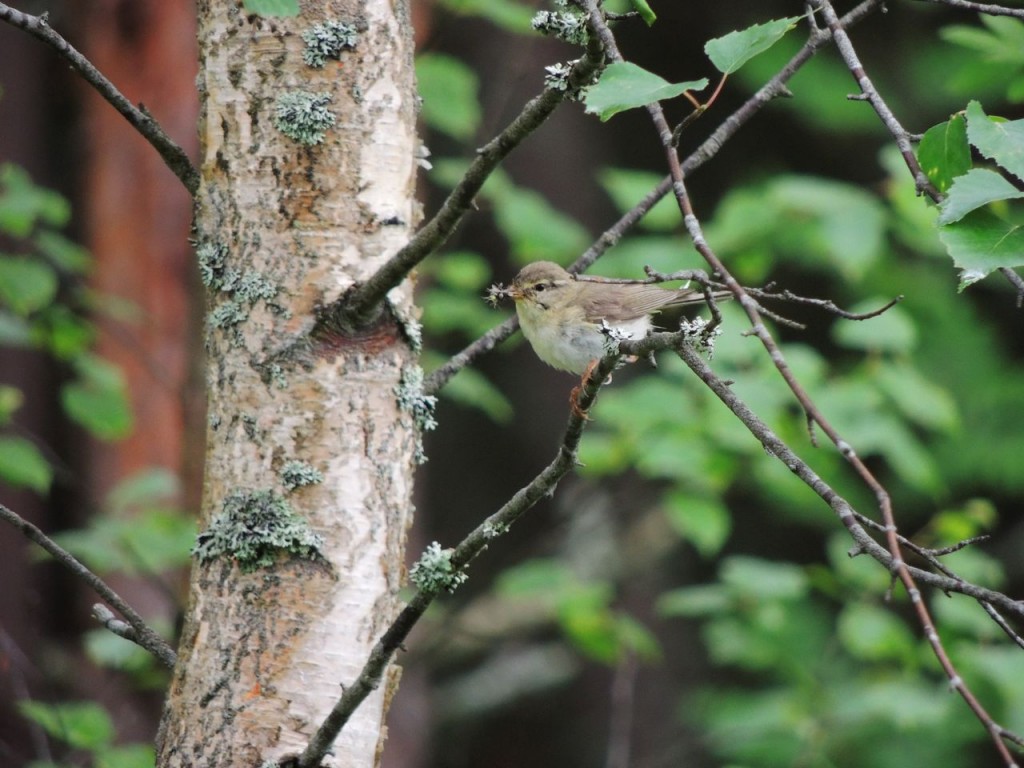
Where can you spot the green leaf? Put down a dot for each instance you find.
(704, 522)
(448, 88)
(627, 187)
(730, 52)
(65, 254)
(624, 85)
(753, 577)
(67, 335)
(11, 399)
(823, 224)
(892, 331)
(965, 616)
(22, 464)
(585, 618)
(535, 229)
(943, 152)
(462, 270)
(974, 189)
(106, 649)
(158, 539)
(446, 311)
(1001, 141)
(511, 16)
(641, 7)
(15, 331)
(973, 517)
(665, 253)
(704, 600)
(971, 564)
(541, 576)
(99, 403)
(272, 7)
(146, 542)
(127, 756)
(634, 636)
(871, 633)
(26, 285)
(471, 388)
(22, 203)
(980, 243)
(1002, 43)
(145, 487)
(81, 725)
(918, 398)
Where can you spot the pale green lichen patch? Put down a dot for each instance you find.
(303, 116)
(434, 570)
(327, 41)
(411, 327)
(239, 290)
(414, 400)
(211, 258)
(254, 528)
(569, 24)
(296, 474)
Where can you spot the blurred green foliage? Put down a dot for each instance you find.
(44, 306)
(86, 728)
(816, 662)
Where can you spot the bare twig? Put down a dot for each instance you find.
(599, 27)
(826, 304)
(991, 10)
(1016, 281)
(901, 135)
(363, 301)
(776, 448)
(106, 617)
(774, 88)
(144, 636)
(467, 550)
(1002, 623)
(15, 660)
(620, 725)
(173, 155)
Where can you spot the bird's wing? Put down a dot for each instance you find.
(622, 303)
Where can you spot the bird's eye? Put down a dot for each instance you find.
(539, 287)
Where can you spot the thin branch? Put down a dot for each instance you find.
(776, 448)
(443, 374)
(1016, 281)
(1002, 623)
(774, 88)
(566, 460)
(144, 636)
(900, 135)
(599, 27)
(173, 155)
(106, 617)
(827, 304)
(622, 711)
(360, 304)
(14, 660)
(991, 10)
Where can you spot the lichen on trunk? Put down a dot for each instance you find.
(306, 564)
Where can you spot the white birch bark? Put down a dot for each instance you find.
(282, 229)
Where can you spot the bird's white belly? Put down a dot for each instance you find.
(571, 345)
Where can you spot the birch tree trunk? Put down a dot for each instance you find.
(309, 457)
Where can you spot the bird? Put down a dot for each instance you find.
(567, 321)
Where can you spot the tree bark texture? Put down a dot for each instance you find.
(302, 417)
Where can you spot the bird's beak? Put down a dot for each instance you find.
(516, 293)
